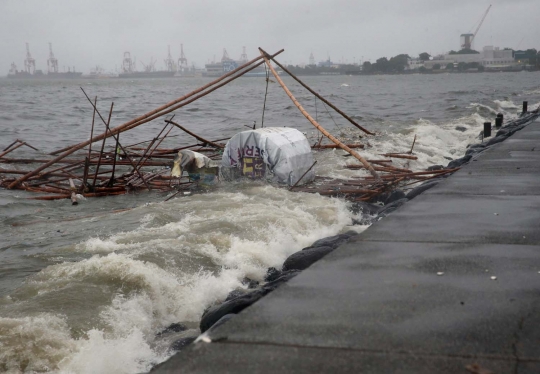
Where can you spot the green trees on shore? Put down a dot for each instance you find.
(399, 63)
(396, 64)
(424, 56)
(464, 51)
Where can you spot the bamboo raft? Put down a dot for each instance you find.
(83, 171)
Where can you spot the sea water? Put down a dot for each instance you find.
(88, 288)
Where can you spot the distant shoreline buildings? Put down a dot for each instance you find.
(491, 58)
(465, 60)
(128, 68)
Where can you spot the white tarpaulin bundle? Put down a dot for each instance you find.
(281, 154)
(198, 166)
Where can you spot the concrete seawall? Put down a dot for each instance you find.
(449, 283)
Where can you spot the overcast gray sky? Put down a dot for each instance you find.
(85, 33)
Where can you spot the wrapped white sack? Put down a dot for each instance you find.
(198, 166)
(281, 154)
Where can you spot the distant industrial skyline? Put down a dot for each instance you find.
(87, 33)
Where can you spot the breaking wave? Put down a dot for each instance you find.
(186, 255)
(97, 304)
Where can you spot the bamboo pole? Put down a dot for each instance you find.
(22, 143)
(48, 189)
(92, 129)
(29, 146)
(320, 140)
(175, 150)
(157, 145)
(420, 173)
(177, 192)
(85, 175)
(303, 175)
(414, 141)
(383, 162)
(9, 171)
(65, 178)
(319, 96)
(9, 146)
(6, 171)
(397, 155)
(12, 149)
(133, 123)
(50, 197)
(102, 146)
(127, 163)
(346, 191)
(314, 123)
(111, 181)
(150, 145)
(387, 168)
(199, 138)
(333, 146)
(18, 141)
(73, 166)
(107, 129)
(70, 161)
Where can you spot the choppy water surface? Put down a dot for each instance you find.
(87, 288)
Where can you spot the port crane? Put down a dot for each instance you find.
(52, 62)
(243, 56)
(467, 39)
(225, 56)
(169, 62)
(150, 67)
(127, 63)
(29, 63)
(182, 61)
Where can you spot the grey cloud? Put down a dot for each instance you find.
(86, 33)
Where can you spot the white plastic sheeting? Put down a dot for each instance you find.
(198, 166)
(280, 154)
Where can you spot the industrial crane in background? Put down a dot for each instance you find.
(29, 63)
(182, 61)
(243, 56)
(150, 67)
(52, 62)
(467, 39)
(127, 63)
(169, 62)
(225, 56)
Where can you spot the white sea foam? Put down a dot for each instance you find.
(34, 344)
(98, 353)
(44, 344)
(436, 143)
(506, 104)
(531, 92)
(159, 274)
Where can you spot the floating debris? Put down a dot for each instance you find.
(78, 172)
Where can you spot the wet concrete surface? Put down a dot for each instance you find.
(448, 281)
